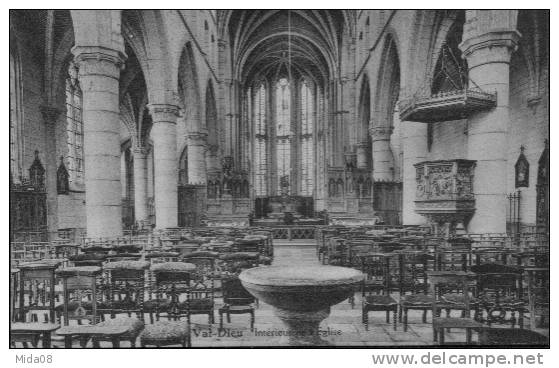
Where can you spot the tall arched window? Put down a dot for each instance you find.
(15, 121)
(307, 151)
(74, 128)
(260, 140)
(283, 132)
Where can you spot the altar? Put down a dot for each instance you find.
(280, 205)
(272, 210)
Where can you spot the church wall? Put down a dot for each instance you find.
(32, 89)
(449, 141)
(529, 126)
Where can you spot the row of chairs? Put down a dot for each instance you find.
(159, 282)
(400, 261)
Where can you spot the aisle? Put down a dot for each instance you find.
(295, 253)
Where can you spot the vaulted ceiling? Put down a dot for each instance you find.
(265, 42)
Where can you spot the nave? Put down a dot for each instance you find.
(157, 289)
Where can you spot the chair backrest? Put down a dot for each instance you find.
(234, 293)
(499, 280)
(376, 267)
(235, 263)
(80, 287)
(125, 279)
(413, 267)
(459, 278)
(37, 283)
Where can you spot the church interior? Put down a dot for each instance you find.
(327, 177)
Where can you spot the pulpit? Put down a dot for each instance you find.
(444, 193)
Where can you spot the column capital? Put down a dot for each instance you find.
(98, 60)
(139, 151)
(196, 138)
(492, 47)
(362, 144)
(163, 112)
(380, 133)
(50, 114)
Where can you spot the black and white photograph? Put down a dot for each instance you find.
(279, 178)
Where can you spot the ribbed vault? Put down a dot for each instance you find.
(262, 42)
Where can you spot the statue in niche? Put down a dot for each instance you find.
(62, 184)
(37, 173)
(521, 171)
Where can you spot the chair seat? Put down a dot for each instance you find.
(125, 304)
(127, 265)
(79, 271)
(504, 302)
(265, 260)
(458, 299)
(421, 300)
(33, 327)
(373, 284)
(73, 305)
(173, 267)
(384, 300)
(133, 326)
(247, 308)
(161, 304)
(203, 304)
(166, 332)
(453, 322)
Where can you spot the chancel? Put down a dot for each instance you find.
(258, 177)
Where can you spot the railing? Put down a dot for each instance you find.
(292, 232)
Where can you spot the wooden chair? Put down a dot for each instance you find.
(376, 267)
(232, 264)
(499, 289)
(36, 295)
(171, 279)
(412, 284)
(80, 303)
(441, 324)
(201, 293)
(124, 287)
(537, 279)
(236, 300)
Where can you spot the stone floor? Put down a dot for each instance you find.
(342, 328)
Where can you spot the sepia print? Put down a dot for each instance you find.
(279, 178)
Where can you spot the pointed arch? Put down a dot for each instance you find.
(211, 115)
(183, 167)
(188, 89)
(364, 112)
(388, 84)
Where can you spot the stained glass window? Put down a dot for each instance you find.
(307, 151)
(283, 132)
(74, 129)
(260, 140)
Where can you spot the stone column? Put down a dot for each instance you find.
(50, 117)
(382, 155)
(196, 143)
(99, 72)
(140, 184)
(488, 56)
(165, 164)
(415, 150)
